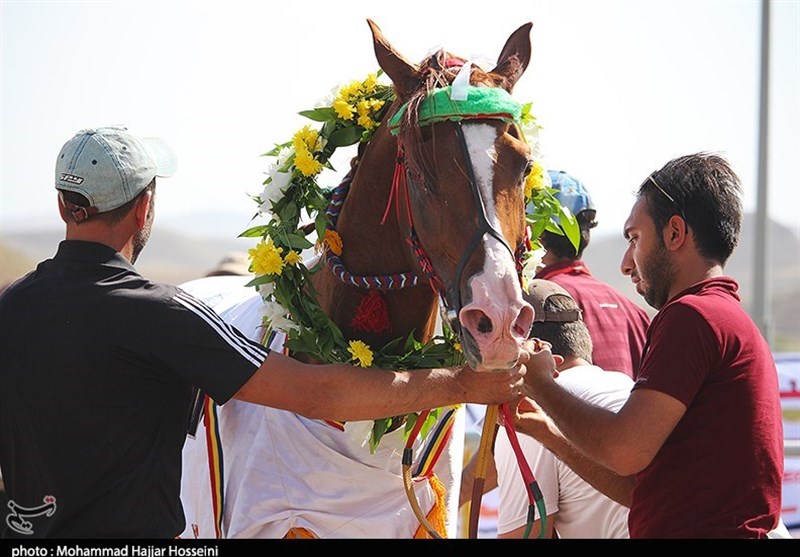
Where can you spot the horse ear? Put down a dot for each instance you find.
(514, 58)
(403, 73)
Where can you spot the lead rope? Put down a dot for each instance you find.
(484, 454)
(535, 497)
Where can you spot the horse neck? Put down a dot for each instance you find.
(375, 248)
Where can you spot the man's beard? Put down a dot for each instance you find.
(658, 273)
(141, 237)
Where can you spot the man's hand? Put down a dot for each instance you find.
(531, 420)
(493, 387)
(540, 363)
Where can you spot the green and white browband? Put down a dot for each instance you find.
(481, 102)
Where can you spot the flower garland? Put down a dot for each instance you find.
(292, 192)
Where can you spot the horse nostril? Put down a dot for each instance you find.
(485, 325)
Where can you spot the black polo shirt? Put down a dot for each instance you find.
(96, 369)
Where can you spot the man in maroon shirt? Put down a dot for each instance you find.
(617, 325)
(697, 450)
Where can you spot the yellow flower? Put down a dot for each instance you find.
(366, 122)
(305, 139)
(292, 258)
(366, 108)
(457, 346)
(343, 109)
(370, 83)
(349, 91)
(535, 180)
(266, 258)
(361, 353)
(305, 162)
(375, 105)
(333, 241)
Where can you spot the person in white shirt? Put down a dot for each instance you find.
(573, 508)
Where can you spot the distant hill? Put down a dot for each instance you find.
(176, 256)
(170, 256)
(604, 254)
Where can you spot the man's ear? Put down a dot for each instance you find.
(142, 208)
(559, 359)
(62, 210)
(675, 232)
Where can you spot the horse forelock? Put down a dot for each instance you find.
(437, 70)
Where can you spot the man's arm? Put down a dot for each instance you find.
(348, 393)
(625, 441)
(531, 420)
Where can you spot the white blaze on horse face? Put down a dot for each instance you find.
(497, 317)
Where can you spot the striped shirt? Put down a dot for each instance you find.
(97, 369)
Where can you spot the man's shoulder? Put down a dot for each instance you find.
(594, 384)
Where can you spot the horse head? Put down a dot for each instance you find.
(462, 169)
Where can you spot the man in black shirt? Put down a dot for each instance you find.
(97, 364)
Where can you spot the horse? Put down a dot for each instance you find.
(432, 220)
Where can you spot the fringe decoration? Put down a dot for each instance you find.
(437, 517)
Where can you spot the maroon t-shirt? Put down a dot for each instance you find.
(719, 472)
(617, 325)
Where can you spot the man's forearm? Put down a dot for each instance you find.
(607, 482)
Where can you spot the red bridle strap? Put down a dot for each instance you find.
(400, 185)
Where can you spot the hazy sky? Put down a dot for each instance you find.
(620, 87)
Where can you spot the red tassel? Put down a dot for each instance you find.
(372, 314)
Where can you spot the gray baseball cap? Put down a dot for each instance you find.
(541, 290)
(110, 166)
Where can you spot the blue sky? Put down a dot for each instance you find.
(619, 86)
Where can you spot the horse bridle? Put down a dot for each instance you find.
(484, 227)
(450, 297)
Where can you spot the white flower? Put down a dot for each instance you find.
(274, 189)
(328, 99)
(531, 130)
(266, 289)
(276, 315)
(533, 261)
(283, 157)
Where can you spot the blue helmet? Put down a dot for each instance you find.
(571, 192)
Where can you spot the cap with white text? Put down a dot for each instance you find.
(109, 166)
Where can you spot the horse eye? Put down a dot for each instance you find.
(528, 168)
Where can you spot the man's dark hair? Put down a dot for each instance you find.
(561, 246)
(114, 215)
(570, 338)
(707, 193)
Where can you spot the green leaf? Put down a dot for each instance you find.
(298, 242)
(571, 227)
(254, 232)
(538, 227)
(289, 212)
(324, 114)
(345, 136)
(379, 428)
(263, 279)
